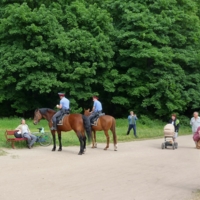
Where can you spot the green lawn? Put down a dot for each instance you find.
(152, 129)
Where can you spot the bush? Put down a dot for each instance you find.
(145, 120)
(184, 121)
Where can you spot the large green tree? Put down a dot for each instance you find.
(48, 46)
(157, 56)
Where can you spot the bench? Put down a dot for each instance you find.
(9, 134)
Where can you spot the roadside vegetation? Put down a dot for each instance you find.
(146, 129)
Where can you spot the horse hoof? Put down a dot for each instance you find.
(105, 148)
(93, 147)
(53, 149)
(79, 153)
(59, 149)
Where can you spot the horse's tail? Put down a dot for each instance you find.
(113, 129)
(87, 127)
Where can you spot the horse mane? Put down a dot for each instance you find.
(43, 111)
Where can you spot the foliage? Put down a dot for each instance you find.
(141, 55)
(45, 50)
(157, 54)
(144, 131)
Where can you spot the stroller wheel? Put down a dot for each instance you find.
(163, 145)
(173, 146)
(176, 145)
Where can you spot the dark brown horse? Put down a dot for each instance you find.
(77, 122)
(105, 123)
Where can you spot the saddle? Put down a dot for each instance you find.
(94, 120)
(59, 120)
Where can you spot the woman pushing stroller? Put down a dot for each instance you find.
(176, 124)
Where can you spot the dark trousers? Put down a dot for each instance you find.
(93, 115)
(57, 114)
(132, 126)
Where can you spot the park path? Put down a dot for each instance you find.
(139, 170)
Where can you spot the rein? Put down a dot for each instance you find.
(45, 114)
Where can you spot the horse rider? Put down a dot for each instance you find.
(64, 109)
(97, 108)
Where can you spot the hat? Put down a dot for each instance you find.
(61, 94)
(95, 97)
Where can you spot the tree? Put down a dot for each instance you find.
(157, 55)
(47, 48)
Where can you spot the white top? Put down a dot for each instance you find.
(195, 123)
(23, 128)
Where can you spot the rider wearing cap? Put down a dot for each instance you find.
(64, 108)
(97, 108)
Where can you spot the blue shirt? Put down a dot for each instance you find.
(132, 119)
(65, 103)
(97, 106)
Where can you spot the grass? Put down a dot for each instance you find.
(196, 195)
(145, 130)
(2, 152)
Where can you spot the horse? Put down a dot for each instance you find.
(77, 122)
(105, 123)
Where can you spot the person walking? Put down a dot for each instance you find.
(97, 108)
(64, 108)
(25, 132)
(132, 123)
(195, 123)
(174, 121)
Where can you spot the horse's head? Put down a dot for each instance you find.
(87, 112)
(46, 113)
(37, 116)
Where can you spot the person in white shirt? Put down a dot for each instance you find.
(25, 132)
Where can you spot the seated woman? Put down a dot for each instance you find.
(196, 136)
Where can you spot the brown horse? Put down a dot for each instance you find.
(77, 122)
(105, 123)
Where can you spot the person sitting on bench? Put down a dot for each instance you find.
(25, 132)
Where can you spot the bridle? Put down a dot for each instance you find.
(36, 118)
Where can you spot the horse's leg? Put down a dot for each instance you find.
(54, 140)
(113, 130)
(108, 139)
(81, 145)
(84, 144)
(95, 141)
(59, 139)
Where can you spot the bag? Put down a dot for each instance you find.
(17, 135)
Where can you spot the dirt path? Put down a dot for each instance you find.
(137, 171)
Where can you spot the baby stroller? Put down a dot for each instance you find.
(170, 137)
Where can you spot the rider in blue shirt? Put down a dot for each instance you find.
(64, 108)
(97, 108)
